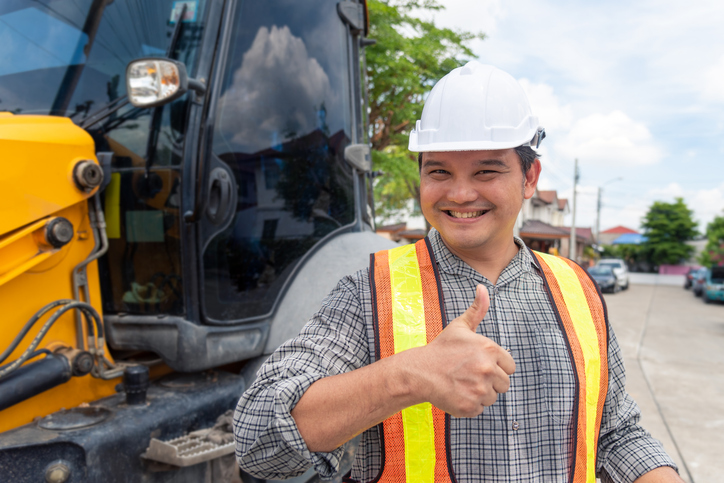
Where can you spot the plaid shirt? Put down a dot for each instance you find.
(525, 436)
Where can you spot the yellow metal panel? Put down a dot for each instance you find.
(25, 294)
(408, 323)
(36, 180)
(580, 312)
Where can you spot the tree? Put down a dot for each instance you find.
(713, 253)
(411, 54)
(668, 226)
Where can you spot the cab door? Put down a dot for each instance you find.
(281, 119)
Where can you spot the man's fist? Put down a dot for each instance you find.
(460, 371)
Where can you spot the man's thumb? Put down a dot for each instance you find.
(477, 310)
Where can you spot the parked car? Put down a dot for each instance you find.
(697, 282)
(605, 278)
(689, 277)
(714, 285)
(619, 269)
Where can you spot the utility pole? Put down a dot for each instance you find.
(598, 209)
(572, 244)
(598, 218)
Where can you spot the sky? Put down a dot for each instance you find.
(633, 90)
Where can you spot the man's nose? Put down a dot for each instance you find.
(462, 192)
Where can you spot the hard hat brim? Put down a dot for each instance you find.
(462, 146)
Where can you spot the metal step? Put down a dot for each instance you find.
(187, 450)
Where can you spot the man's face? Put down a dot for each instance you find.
(473, 197)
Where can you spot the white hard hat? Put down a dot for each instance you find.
(476, 107)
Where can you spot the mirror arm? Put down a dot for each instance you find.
(197, 86)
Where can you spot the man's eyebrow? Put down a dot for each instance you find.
(484, 162)
(433, 163)
(493, 162)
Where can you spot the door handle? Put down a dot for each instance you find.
(219, 195)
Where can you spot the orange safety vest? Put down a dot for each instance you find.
(409, 312)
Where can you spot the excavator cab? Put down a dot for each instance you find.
(233, 194)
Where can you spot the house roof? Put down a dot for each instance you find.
(562, 202)
(413, 234)
(630, 239)
(581, 232)
(547, 195)
(619, 230)
(539, 229)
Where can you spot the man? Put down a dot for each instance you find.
(507, 390)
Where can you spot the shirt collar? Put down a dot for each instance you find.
(450, 263)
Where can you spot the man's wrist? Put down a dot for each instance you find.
(404, 382)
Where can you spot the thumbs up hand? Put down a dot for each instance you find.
(461, 372)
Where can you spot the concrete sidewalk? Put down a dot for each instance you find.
(673, 348)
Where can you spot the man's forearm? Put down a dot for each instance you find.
(663, 474)
(337, 408)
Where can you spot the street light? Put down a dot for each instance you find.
(598, 209)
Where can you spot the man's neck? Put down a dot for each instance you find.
(489, 261)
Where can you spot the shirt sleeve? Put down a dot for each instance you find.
(626, 450)
(268, 442)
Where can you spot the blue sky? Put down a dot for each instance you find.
(632, 89)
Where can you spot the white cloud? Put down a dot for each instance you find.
(707, 203)
(609, 139)
(279, 90)
(667, 193)
(471, 15)
(713, 85)
(544, 104)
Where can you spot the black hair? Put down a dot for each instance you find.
(525, 153)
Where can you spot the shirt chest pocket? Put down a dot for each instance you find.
(559, 384)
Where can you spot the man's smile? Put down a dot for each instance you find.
(465, 214)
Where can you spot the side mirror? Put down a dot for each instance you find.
(152, 82)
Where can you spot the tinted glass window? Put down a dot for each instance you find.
(68, 58)
(600, 271)
(282, 124)
(610, 264)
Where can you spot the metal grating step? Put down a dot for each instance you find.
(187, 450)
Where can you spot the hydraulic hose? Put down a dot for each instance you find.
(87, 309)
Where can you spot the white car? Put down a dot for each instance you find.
(619, 269)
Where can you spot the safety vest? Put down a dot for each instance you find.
(409, 312)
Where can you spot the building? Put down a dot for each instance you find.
(608, 236)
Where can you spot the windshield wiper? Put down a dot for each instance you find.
(158, 111)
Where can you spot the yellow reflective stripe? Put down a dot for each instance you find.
(408, 327)
(408, 310)
(577, 306)
(419, 443)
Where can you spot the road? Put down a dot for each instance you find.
(673, 348)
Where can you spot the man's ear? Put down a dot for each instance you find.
(531, 179)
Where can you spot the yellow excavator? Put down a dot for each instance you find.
(182, 183)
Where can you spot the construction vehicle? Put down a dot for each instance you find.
(182, 183)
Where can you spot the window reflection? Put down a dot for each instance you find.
(282, 126)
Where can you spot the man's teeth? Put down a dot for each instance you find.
(472, 214)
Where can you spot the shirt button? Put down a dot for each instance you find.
(495, 290)
(515, 425)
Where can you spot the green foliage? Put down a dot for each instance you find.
(668, 226)
(410, 56)
(632, 254)
(713, 253)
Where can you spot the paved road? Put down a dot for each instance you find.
(673, 347)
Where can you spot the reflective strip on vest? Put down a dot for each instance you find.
(408, 314)
(583, 318)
